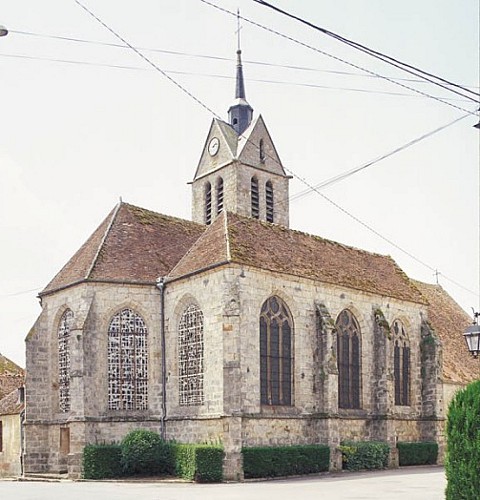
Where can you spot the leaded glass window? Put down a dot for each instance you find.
(276, 359)
(208, 203)
(190, 357)
(401, 364)
(269, 200)
(127, 362)
(349, 360)
(219, 195)
(255, 198)
(64, 329)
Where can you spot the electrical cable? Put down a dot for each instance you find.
(379, 55)
(310, 47)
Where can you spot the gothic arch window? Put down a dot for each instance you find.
(349, 360)
(190, 357)
(219, 195)
(261, 150)
(127, 362)
(63, 336)
(401, 364)
(276, 359)
(269, 200)
(208, 203)
(255, 198)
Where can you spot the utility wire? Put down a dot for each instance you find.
(210, 75)
(348, 173)
(301, 179)
(379, 55)
(207, 56)
(310, 47)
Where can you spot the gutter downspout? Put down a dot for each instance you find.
(161, 287)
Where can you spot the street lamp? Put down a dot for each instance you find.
(472, 336)
(3, 31)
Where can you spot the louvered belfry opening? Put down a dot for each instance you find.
(269, 201)
(208, 203)
(219, 195)
(255, 199)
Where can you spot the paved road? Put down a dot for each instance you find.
(418, 483)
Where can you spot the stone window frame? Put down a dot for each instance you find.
(191, 351)
(269, 202)
(64, 362)
(349, 360)
(220, 193)
(255, 197)
(401, 363)
(276, 353)
(261, 151)
(127, 361)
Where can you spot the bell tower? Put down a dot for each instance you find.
(239, 168)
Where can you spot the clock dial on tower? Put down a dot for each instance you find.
(214, 146)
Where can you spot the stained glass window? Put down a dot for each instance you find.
(276, 359)
(348, 360)
(190, 357)
(64, 360)
(127, 362)
(401, 364)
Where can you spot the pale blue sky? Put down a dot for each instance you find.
(75, 137)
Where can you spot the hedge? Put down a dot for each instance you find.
(202, 463)
(462, 463)
(263, 461)
(420, 453)
(102, 461)
(360, 455)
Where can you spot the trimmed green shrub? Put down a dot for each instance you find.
(200, 462)
(421, 453)
(360, 455)
(144, 452)
(263, 461)
(462, 464)
(102, 461)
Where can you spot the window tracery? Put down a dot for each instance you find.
(190, 356)
(401, 364)
(276, 359)
(63, 337)
(127, 362)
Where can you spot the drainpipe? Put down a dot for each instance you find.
(161, 286)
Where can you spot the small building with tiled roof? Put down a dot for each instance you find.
(234, 328)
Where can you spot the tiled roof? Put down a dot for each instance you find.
(449, 321)
(275, 248)
(10, 405)
(131, 245)
(11, 376)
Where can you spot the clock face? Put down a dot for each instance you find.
(213, 146)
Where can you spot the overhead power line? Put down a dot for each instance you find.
(336, 58)
(439, 81)
(301, 179)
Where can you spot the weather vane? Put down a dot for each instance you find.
(239, 27)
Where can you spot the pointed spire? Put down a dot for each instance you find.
(240, 113)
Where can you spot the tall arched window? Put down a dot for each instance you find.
(127, 362)
(276, 359)
(269, 200)
(261, 150)
(208, 203)
(349, 360)
(219, 195)
(64, 360)
(255, 198)
(190, 357)
(401, 364)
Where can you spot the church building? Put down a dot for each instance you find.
(229, 328)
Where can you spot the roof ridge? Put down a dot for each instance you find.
(99, 249)
(220, 124)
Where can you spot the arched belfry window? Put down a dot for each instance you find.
(127, 362)
(349, 360)
(255, 198)
(401, 364)
(269, 200)
(208, 203)
(261, 150)
(190, 356)
(276, 359)
(219, 195)
(64, 329)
